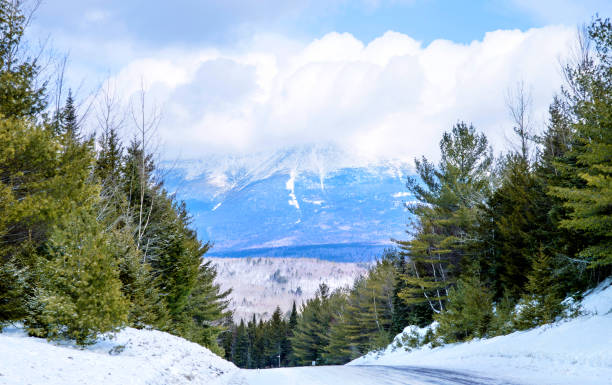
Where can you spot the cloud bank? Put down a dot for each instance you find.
(390, 98)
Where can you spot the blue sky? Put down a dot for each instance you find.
(235, 76)
(193, 22)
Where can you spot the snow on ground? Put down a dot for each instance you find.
(575, 351)
(132, 357)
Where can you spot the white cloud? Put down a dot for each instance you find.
(392, 97)
(96, 16)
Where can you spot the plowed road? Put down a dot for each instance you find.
(360, 375)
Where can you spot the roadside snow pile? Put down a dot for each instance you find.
(132, 357)
(574, 351)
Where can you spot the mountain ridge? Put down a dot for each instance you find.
(305, 197)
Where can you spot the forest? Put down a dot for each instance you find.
(496, 244)
(92, 242)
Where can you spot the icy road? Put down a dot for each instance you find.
(358, 375)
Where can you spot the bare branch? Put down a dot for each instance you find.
(519, 103)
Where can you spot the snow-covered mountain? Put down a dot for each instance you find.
(308, 201)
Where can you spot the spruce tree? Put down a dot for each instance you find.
(240, 353)
(588, 202)
(138, 285)
(291, 325)
(469, 312)
(542, 302)
(109, 160)
(22, 93)
(69, 123)
(79, 292)
(311, 335)
(56, 178)
(517, 214)
(206, 309)
(277, 333)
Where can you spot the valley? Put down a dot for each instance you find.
(260, 284)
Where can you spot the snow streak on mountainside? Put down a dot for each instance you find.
(313, 201)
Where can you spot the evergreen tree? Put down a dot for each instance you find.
(515, 224)
(147, 306)
(68, 123)
(22, 94)
(79, 291)
(276, 335)
(311, 335)
(109, 161)
(449, 197)
(469, 312)
(401, 311)
(258, 359)
(542, 303)
(588, 202)
(291, 325)
(56, 179)
(207, 309)
(240, 353)
(227, 336)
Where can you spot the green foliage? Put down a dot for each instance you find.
(291, 325)
(41, 176)
(311, 336)
(206, 310)
(21, 93)
(147, 307)
(79, 291)
(469, 311)
(515, 225)
(367, 315)
(589, 202)
(240, 351)
(503, 321)
(195, 305)
(542, 302)
(404, 313)
(69, 123)
(446, 214)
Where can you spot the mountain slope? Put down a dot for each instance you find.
(294, 201)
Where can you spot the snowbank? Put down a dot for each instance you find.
(575, 351)
(132, 357)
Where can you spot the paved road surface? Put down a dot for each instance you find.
(360, 375)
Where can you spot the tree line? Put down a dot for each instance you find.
(495, 244)
(333, 327)
(90, 241)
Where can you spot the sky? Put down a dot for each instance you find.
(380, 78)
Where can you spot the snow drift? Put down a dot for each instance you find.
(575, 351)
(132, 357)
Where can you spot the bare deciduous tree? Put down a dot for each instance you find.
(146, 121)
(519, 104)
